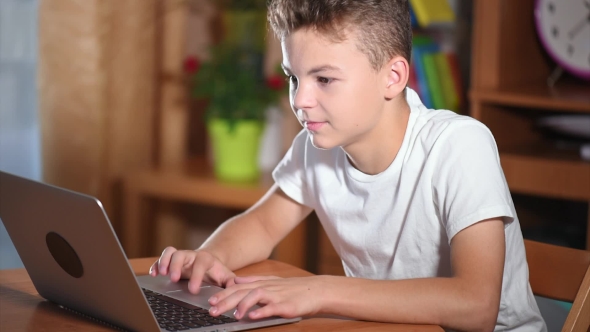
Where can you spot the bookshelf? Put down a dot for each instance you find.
(509, 93)
(448, 37)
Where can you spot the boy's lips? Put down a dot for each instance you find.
(314, 126)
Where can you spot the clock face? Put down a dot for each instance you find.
(564, 29)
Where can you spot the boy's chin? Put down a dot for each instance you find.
(321, 142)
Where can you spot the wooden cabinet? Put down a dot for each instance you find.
(509, 93)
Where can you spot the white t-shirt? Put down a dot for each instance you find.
(398, 224)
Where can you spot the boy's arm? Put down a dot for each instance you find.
(467, 301)
(245, 239)
(251, 236)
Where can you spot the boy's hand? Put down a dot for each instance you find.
(288, 298)
(196, 265)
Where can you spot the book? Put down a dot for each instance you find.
(413, 19)
(456, 73)
(422, 44)
(447, 84)
(433, 80)
(419, 39)
(413, 79)
(422, 80)
(430, 12)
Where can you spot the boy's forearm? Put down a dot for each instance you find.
(448, 302)
(250, 237)
(240, 241)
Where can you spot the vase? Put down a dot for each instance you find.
(235, 149)
(271, 142)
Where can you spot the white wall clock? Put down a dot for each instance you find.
(563, 27)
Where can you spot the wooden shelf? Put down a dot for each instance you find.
(508, 94)
(566, 96)
(195, 182)
(192, 182)
(548, 171)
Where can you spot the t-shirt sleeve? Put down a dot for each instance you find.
(469, 184)
(290, 172)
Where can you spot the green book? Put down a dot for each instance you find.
(445, 76)
(438, 101)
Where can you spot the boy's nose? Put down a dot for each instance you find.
(303, 97)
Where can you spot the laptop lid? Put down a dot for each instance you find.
(71, 253)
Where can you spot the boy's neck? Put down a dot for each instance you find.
(375, 152)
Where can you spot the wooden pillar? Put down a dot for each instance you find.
(130, 62)
(72, 85)
(173, 115)
(96, 88)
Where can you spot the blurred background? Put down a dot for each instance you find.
(173, 113)
(20, 143)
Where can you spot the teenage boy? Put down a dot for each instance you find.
(414, 200)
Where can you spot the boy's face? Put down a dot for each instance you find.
(335, 93)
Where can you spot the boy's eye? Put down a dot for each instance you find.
(324, 80)
(293, 80)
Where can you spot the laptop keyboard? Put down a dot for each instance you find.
(174, 315)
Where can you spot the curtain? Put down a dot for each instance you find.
(20, 148)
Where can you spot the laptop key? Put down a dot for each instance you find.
(191, 325)
(202, 323)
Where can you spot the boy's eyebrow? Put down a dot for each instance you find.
(322, 68)
(314, 70)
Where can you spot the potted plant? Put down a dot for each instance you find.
(238, 94)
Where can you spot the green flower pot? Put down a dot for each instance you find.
(235, 149)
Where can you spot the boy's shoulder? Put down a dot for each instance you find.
(435, 122)
(438, 123)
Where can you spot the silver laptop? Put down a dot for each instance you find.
(74, 259)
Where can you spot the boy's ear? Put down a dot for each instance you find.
(398, 71)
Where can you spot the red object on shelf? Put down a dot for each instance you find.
(275, 82)
(191, 64)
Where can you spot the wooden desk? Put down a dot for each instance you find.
(22, 309)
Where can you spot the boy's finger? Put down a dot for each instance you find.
(230, 282)
(154, 269)
(254, 296)
(164, 261)
(273, 309)
(177, 261)
(219, 274)
(229, 302)
(201, 265)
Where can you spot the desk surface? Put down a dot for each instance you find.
(22, 309)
